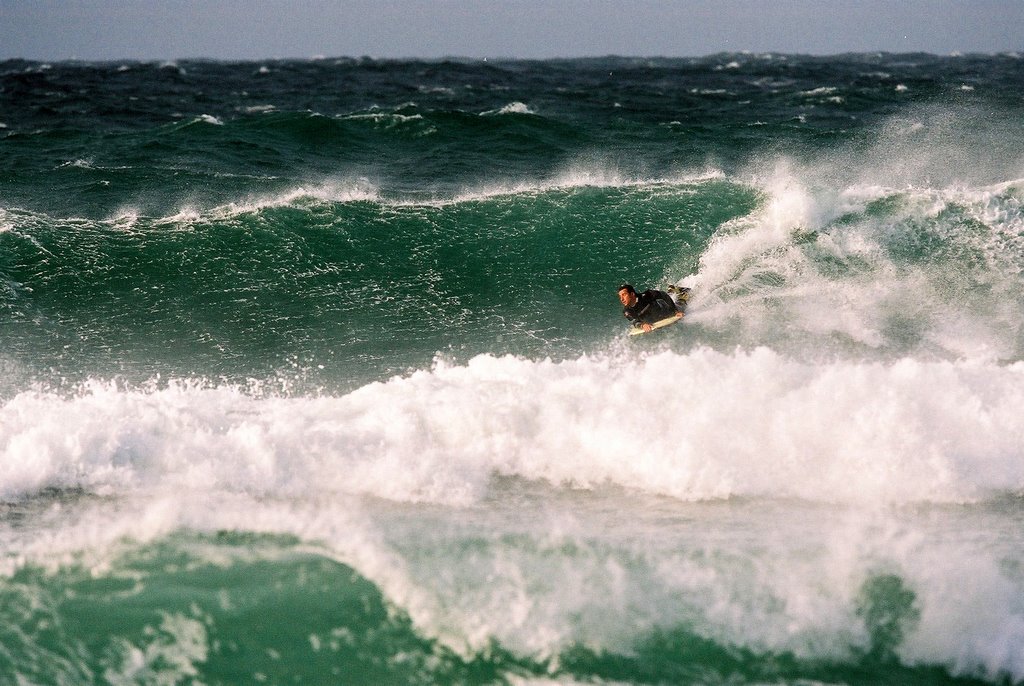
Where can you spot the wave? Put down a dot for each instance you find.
(172, 635)
(864, 268)
(318, 616)
(331, 273)
(753, 424)
(353, 630)
(813, 271)
(500, 520)
(512, 108)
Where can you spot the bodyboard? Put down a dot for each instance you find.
(636, 330)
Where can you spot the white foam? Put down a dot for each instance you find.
(823, 90)
(168, 653)
(390, 118)
(437, 90)
(814, 261)
(328, 192)
(79, 163)
(748, 424)
(511, 108)
(336, 191)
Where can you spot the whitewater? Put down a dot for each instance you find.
(314, 372)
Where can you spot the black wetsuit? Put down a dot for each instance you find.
(651, 306)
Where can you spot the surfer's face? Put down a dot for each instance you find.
(626, 298)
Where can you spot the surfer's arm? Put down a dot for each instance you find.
(635, 319)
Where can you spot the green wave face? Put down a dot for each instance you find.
(363, 287)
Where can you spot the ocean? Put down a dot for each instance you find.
(314, 372)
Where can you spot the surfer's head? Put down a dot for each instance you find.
(627, 295)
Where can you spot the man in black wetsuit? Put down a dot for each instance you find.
(649, 307)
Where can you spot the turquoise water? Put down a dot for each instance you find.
(314, 372)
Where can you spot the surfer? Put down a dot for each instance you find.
(647, 308)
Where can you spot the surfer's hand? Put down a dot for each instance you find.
(679, 315)
(646, 327)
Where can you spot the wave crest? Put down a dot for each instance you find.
(704, 425)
